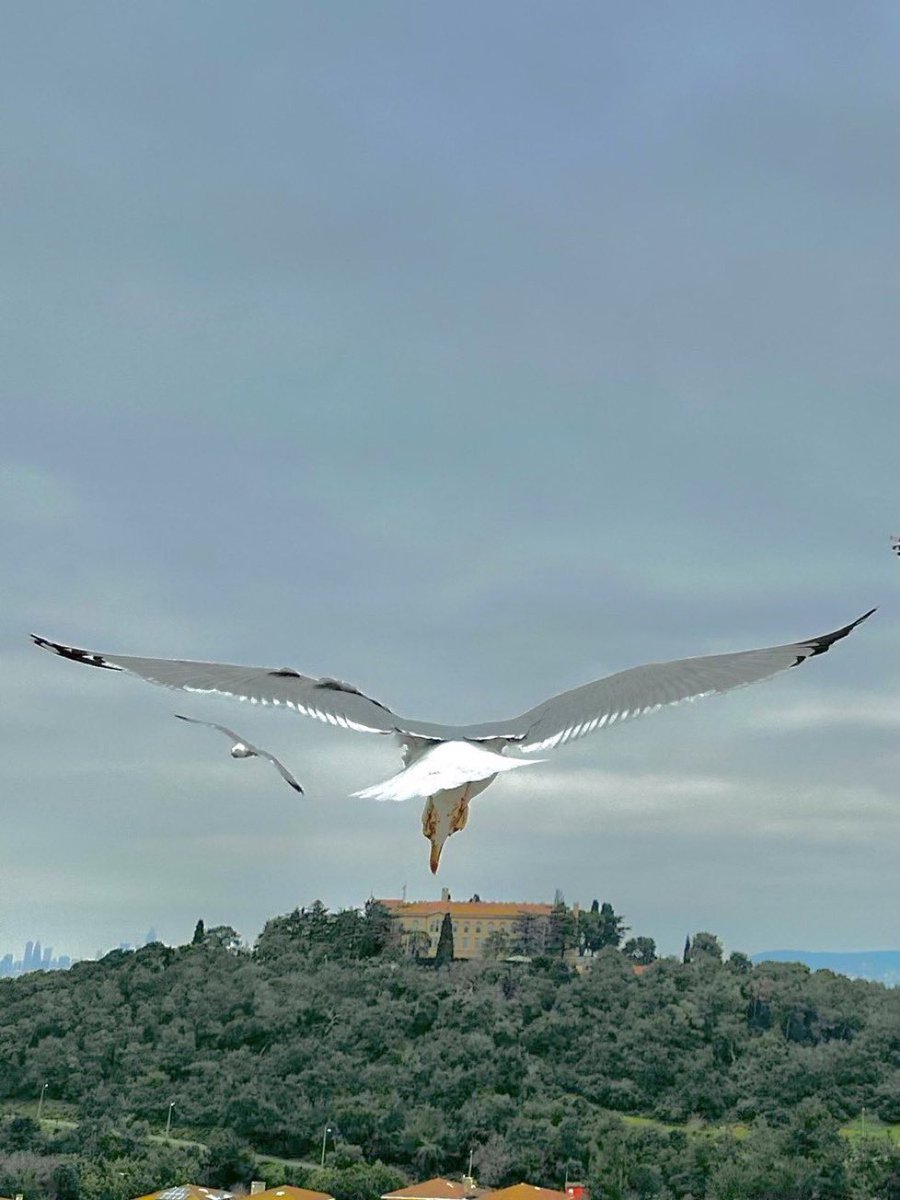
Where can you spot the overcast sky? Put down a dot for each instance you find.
(467, 352)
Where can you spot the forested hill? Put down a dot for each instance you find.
(325, 1023)
(882, 966)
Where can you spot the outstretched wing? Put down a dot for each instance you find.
(645, 689)
(327, 700)
(229, 733)
(281, 769)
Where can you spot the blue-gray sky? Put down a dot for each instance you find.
(467, 352)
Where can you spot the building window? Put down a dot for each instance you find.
(465, 943)
(478, 929)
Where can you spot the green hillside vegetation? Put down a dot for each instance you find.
(705, 1078)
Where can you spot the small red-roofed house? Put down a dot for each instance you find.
(527, 1191)
(439, 1189)
(287, 1192)
(189, 1191)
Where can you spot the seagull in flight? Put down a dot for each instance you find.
(450, 764)
(244, 749)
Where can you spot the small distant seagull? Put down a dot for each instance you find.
(450, 764)
(244, 749)
(895, 544)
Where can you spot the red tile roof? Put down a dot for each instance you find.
(189, 1191)
(435, 1189)
(288, 1192)
(527, 1191)
(483, 909)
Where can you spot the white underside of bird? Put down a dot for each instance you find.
(450, 764)
(442, 766)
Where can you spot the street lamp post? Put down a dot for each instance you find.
(169, 1117)
(325, 1133)
(41, 1101)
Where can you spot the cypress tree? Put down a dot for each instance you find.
(444, 952)
(199, 934)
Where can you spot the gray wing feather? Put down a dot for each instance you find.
(281, 769)
(327, 700)
(563, 718)
(645, 689)
(230, 733)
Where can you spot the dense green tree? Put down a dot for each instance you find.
(417, 943)
(641, 950)
(706, 946)
(199, 934)
(529, 935)
(496, 944)
(444, 952)
(378, 934)
(600, 927)
(360, 1181)
(561, 931)
(740, 962)
(229, 1161)
(223, 937)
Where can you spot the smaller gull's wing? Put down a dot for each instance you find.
(281, 769)
(645, 689)
(235, 737)
(256, 751)
(325, 699)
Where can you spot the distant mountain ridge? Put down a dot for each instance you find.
(879, 966)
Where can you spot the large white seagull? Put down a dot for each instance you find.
(449, 764)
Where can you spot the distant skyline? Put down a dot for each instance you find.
(36, 957)
(467, 353)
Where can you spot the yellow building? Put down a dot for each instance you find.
(473, 921)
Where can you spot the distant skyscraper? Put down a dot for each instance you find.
(27, 956)
(151, 936)
(47, 958)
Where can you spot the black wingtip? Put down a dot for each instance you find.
(820, 644)
(87, 657)
(297, 788)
